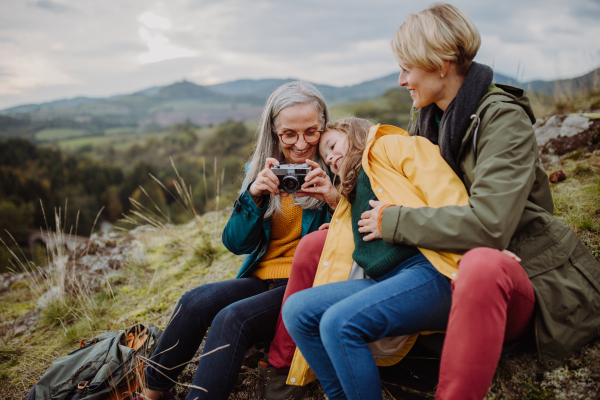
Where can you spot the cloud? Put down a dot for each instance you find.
(153, 21)
(49, 5)
(159, 45)
(21, 72)
(112, 46)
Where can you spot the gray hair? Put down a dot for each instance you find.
(267, 142)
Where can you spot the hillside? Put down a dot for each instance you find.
(142, 111)
(155, 108)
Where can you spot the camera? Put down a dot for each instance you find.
(291, 176)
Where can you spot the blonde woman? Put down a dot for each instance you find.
(550, 289)
(265, 226)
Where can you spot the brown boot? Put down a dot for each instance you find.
(275, 387)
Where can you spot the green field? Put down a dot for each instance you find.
(122, 139)
(190, 105)
(119, 131)
(51, 134)
(118, 141)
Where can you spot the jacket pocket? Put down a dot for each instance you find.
(547, 244)
(571, 292)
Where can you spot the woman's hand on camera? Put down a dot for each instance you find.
(318, 185)
(266, 182)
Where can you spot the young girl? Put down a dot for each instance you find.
(408, 290)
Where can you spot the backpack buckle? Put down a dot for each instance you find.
(82, 385)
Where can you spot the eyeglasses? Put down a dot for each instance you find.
(311, 137)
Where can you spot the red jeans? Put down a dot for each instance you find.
(492, 301)
(302, 276)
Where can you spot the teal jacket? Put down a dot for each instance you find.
(248, 232)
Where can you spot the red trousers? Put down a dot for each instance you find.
(304, 269)
(492, 301)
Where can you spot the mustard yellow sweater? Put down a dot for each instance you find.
(286, 232)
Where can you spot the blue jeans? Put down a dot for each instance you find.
(332, 324)
(239, 312)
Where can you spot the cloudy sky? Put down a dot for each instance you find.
(52, 49)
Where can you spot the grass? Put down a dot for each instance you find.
(58, 134)
(577, 199)
(160, 267)
(158, 270)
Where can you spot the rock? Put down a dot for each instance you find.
(26, 322)
(557, 176)
(562, 134)
(573, 125)
(550, 130)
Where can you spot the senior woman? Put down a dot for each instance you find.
(267, 228)
(550, 289)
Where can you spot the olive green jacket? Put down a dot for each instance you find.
(510, 207)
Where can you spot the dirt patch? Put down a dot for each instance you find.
(557, 176)
(587, 141)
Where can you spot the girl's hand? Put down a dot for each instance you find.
(266, 182)
(318, 185)
(324, 226)
(368, 223)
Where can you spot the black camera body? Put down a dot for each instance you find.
(291, 176)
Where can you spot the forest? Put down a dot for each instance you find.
(38, 181)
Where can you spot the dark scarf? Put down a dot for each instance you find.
(457, 117)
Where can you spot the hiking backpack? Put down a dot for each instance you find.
(109, 366)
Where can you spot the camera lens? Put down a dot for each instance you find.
(290, 184)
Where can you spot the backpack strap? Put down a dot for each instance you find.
(80, 389)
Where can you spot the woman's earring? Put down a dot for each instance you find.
(442, 75)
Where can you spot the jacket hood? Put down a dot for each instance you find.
(521, 99)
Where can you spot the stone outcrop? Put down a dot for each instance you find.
(561, 134)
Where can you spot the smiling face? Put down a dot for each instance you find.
(425, 87)
(299, 118)
(333, 147)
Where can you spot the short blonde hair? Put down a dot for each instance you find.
(441, 32)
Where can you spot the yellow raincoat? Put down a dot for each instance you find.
(403, 170)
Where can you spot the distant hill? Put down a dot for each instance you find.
(377, 87)
(333, 94)
(162, 106)
(64, 103)
(158, 107)
(560, 86)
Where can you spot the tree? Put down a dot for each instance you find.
(231, 139)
